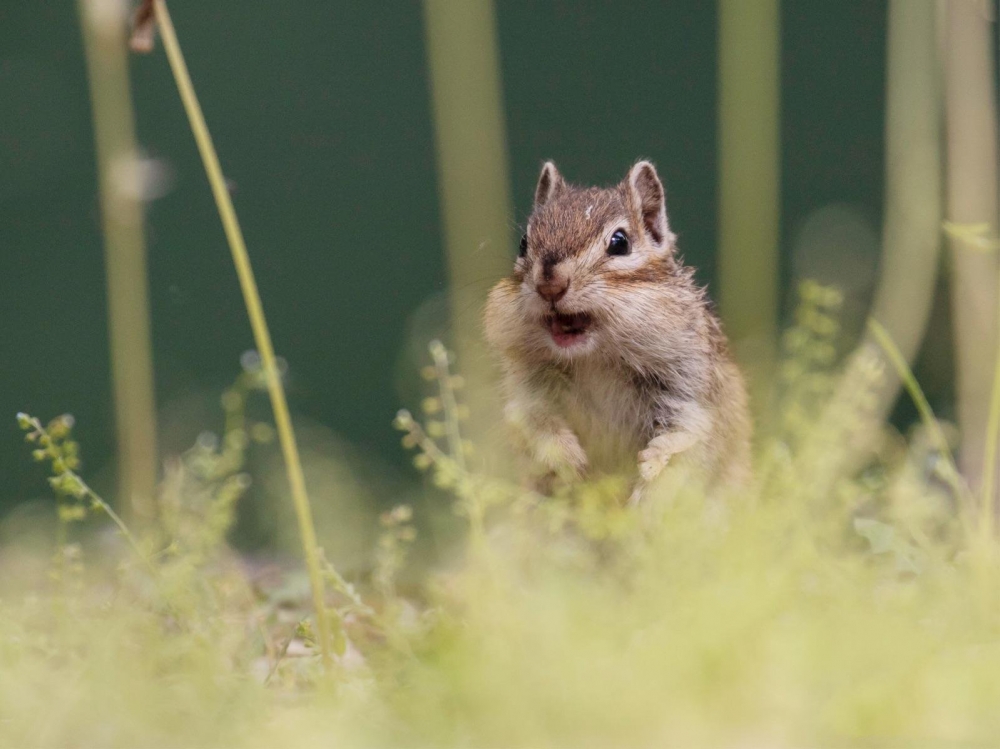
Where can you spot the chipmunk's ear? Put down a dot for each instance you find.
(649, 202)
(550, 184)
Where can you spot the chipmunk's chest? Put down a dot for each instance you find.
(612, 418)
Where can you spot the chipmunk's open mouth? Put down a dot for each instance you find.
(568, 330)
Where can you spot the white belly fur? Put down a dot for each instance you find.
(608, 417)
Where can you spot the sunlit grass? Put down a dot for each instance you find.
(858, 609)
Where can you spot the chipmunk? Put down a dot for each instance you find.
(613, 359)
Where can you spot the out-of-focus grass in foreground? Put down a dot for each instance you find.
(822, 607)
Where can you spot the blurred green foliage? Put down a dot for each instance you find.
(804, 612)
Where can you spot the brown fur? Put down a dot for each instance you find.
(652, 378)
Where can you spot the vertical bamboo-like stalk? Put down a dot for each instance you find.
(749, 200)
(911, 235)
(472, 174)
(119, 174)
(971, 126)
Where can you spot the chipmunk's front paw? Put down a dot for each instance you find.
(562, 453)
(652, 461)
(660, 450)
(655, 457)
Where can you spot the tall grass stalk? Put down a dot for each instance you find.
(970, 120)
(255, 311)
(930, 422)
(470, 137)
(911, 237)
(749, 147)
(119, 175)
(990, 451)
(990, 456)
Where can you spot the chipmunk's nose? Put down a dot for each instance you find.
(553, 289)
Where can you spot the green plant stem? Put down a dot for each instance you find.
(477, 522)
(125, 257)
(448, 403)
(990, 452)
(281, 655)
(464, 71)
(749, 104)
(97, 500)
(916, 393)
(255, 311)
(970, 124)
(911, 239)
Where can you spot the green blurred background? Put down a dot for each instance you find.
(321, 114)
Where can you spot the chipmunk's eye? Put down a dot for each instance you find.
(619, 244)
(523, 247)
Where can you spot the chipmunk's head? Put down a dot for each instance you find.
(591, 259)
